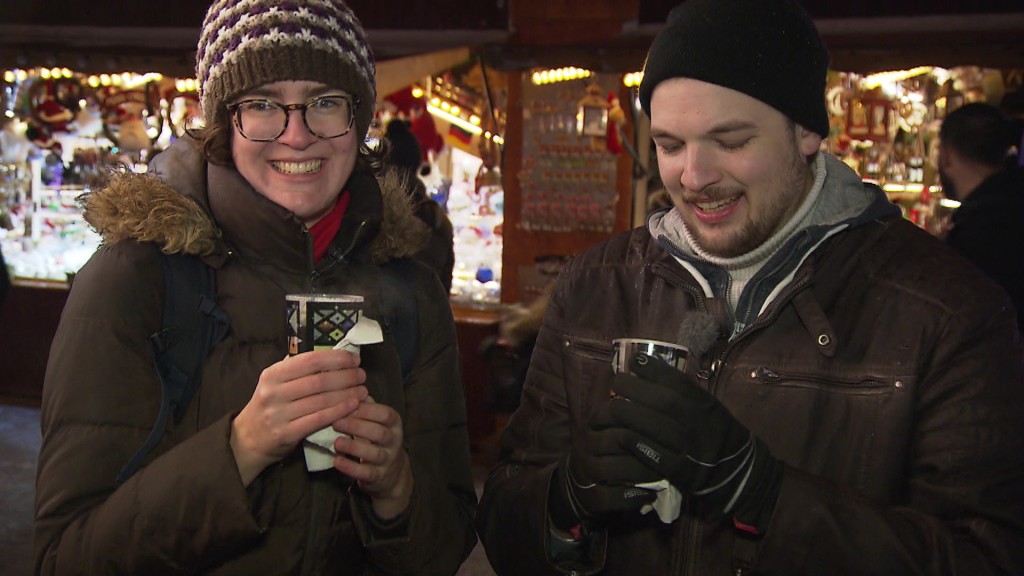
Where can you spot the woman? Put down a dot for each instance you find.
(278, 194)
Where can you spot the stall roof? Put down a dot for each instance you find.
(604, 35)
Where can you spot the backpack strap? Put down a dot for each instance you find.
(398, 306)
(192, 324)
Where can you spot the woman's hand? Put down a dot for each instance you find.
(294, 398)
(375, 456)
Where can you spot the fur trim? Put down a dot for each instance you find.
(402, 233)
(141, 207)
(144, 208)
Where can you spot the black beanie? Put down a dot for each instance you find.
(767, 49)
(405, 149)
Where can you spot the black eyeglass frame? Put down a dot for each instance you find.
(236, 115)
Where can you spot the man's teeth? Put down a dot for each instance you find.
(307, 167)
(712, 206)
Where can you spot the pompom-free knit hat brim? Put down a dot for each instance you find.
(767, 49)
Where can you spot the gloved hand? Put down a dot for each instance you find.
(597, 478)
(689, 438)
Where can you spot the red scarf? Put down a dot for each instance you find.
(325, 228)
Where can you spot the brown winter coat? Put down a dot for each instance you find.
(186, 511)
(887, 377)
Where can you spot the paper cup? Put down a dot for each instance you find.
(320, 321)
(626, 348)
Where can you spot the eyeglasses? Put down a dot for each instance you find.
(265, 120)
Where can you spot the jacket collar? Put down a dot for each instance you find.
(845, 203)
(185, 205)
(999, 192)
(257, 227)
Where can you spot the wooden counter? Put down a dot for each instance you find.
(28, 321)
(474, 326)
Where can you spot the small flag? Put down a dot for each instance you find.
(460, 135)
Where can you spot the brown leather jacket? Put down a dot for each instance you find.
(186, 511)
(886, 376)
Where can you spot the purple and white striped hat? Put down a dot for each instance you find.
(245, 44)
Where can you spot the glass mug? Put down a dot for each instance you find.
(626, 348)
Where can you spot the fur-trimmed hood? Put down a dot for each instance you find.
(170, 206)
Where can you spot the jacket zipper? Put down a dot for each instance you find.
(714, 371)
(867, 384)
(316, 515)
(316, 520)
(783, 298)
(688, 532)
(338, 256)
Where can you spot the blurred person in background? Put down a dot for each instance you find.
(406, 153)
(977, 167)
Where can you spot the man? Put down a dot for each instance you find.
(974, 167)
(853, 396)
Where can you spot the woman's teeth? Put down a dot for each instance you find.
(716, 205)
(307, 167)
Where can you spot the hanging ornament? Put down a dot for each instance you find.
(132, 119)
(616, 119)
(54, 103)
(592, 117)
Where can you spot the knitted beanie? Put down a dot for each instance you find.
(767, 49)
(245, 44)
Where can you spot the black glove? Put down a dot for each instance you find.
(597, 478)
(685, 434)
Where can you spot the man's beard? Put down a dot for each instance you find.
(760, 226)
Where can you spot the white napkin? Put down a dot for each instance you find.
(318, 447)
(667, 503)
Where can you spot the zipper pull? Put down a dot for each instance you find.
(763, 373)
(706, 373)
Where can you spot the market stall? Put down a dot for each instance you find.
(886, 125)
(531, 165)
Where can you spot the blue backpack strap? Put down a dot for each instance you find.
(192, 324)
(398, 306)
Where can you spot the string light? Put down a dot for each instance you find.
(443, 110)
(914, 187)
(451, 118)
(551, 76)
(876, 80)
(632, 79)
(184, 85)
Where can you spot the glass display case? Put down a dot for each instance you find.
(475, 202)
(46, 237)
